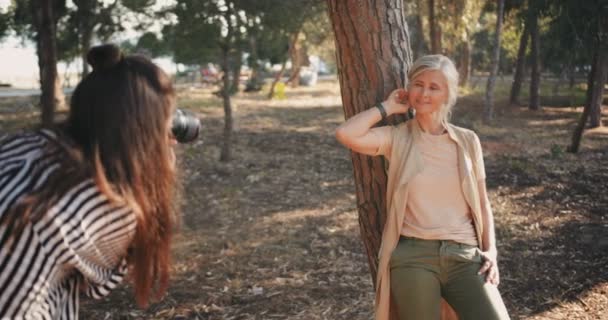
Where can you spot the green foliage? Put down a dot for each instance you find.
(5, 20)
(202, 27)
(152, 45)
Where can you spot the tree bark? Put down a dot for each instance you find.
(435, 29)
(277, 78)
(236, 72)
(488, 109)
(595, 84)
(535, 64)
(597, 97)
(465, 64)
(519, 65)
(296, 60)
(86, 16)
(254, 83)
(226, 154)
(47, 60)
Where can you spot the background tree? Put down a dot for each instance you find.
(488, 108)
(534, 103)
(45, 23)
(209, 31)
(434, 28)
(415, 10)
(594, 30)
(520, 64)
(38, 21)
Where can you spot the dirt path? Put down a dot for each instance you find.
(274, 234)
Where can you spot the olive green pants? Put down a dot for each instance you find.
(424, 271)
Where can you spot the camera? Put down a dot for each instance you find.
(185, 126)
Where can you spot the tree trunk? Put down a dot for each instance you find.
(277, 78)
(595, 86)
(86, 17)
(488, 109)
(519, 66)
(419, 46)
(435, 29)
(254, 83)
(571, 82)
(597, 97)
(85, 45)
(465, 64)
(560, 79)
(373, 56)
(296, 60)
(47, 59)
(226, 154)
(236, 73)
(535, 64)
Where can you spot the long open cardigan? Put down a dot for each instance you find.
(404, 163)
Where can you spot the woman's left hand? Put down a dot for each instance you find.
(489, 267)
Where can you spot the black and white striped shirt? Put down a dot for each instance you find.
(79, 244)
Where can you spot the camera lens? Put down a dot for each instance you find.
(185, 127)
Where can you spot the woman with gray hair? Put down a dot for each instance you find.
(438, 240)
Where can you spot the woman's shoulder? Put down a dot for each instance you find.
(26, 140)
(463, 133)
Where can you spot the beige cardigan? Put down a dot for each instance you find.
(405, 162)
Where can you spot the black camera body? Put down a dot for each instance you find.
(185, 127)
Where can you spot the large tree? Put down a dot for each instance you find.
(210, 31)
(518, 76)
(37, 20)
(534, 103)
(373, 55)
(47, 54)
(488, 108)
(595, 26)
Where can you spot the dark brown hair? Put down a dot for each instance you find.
(117, 133)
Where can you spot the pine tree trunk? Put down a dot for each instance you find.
(519, 65)
(47, 60)
(85, 45)
(465, 65)
(226, 154)
(597, 97)
(236, 73)
(435, 30)
(535, 64)
(296, 60)
(277, 78)
(488, 109)
(254, 82)
(591, 95)
(419, 45)
(85, 11)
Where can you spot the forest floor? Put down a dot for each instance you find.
(273, 234)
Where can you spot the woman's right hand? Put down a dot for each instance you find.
(396, 102)
(358, 134)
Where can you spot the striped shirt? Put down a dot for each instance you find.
(78, 245)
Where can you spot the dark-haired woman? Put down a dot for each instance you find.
(84, 202)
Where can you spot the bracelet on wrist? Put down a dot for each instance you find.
(380, 107)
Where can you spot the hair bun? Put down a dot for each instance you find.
(104, 56)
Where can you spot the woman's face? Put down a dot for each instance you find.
(428, 92)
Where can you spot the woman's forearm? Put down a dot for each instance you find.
(358, 125)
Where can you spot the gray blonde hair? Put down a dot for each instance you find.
(446, 66)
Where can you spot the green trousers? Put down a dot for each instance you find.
(424, 271)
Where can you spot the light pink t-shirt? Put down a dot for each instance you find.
(436, 208)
